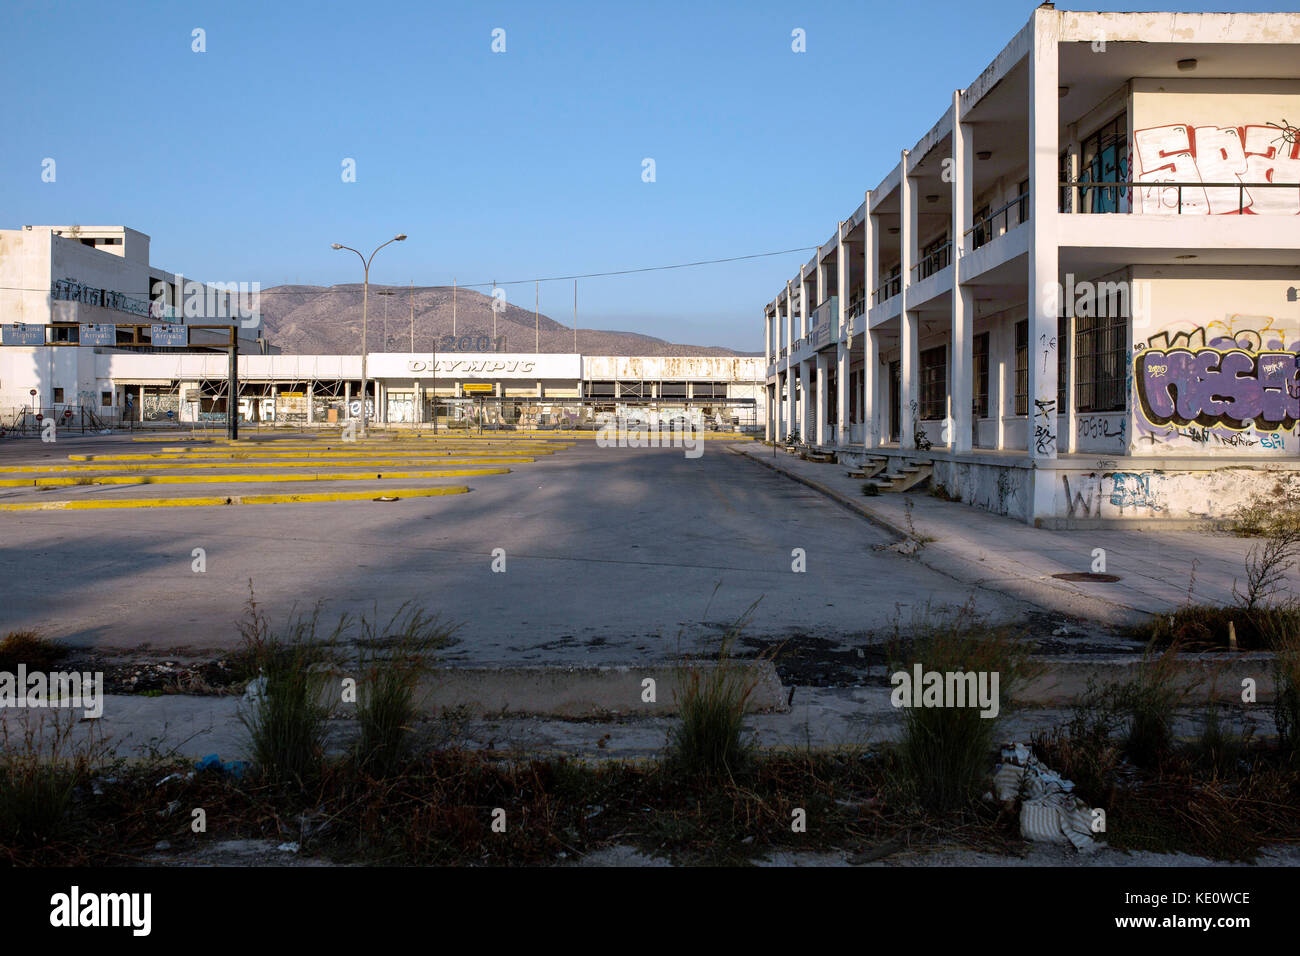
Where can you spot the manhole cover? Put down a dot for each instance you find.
(1087, 576)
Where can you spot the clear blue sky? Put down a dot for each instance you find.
(498, 166)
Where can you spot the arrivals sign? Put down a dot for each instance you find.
(168, 336)
(97, 334)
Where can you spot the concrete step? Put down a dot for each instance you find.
(904, 479)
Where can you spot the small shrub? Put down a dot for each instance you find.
(946, 754)
(1149, 703)
(870, 489)
(392, 664)
(1286, 699)
(708, 739)
(286, 720)
(1084, 750)
(1221, 745)
(39, 771)
(28, 647)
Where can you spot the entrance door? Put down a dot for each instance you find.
(895, 395)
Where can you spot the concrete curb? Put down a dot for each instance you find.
(577, 692)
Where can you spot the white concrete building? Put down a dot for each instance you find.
(61, 285)
(496, 388)
(58, 283)
(1075, 298)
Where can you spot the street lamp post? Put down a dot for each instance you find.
(365, 297)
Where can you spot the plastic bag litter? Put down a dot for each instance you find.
(236, 768)
(255, 690)
(1050, 812)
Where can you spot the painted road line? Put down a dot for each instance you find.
(218, 479)
(221, 500)
(240, 456)
(174, 467)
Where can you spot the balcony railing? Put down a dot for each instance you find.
(987, 229)
(933, 262)
(857, 303)
(1198, 198)
(887, 290)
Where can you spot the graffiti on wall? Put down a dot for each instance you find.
(1234, 383)
(1130, 493)
(1214, 493)
(1226, 156)
(1045, 426)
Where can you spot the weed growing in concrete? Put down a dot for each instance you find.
(1222, 743)
(1267, 565)
(285, 721)
(393, 659)
(946, 753)
(708, 740)
(1266, 515)
(870, 489)
(1286, 695)
(40, 769)
(1150, 701)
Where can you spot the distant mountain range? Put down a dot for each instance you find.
(318, 320)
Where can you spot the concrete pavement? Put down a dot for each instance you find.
(1157, 569)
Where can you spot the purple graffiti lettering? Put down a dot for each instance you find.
(1209, 387)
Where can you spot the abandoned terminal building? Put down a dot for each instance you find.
(1075, 298)
(95, 335)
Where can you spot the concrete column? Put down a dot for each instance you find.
(778, 411)
(871, 373)
(908, 320)
(823, 397)
(1072, 158)
(1067, 348)
(961, 398)
(840, 327)
(1001, 368)
(417, 402)
(803, 301)
(311, 403)
(790, 424)
(1043, 255)
(789, 318)
(347, 400)
(805, 401)
(139, 405)
(821, 279)
(870, 362)
(843, 423)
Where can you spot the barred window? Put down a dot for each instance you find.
(1101, 347)
(1062, 360)
(1103, 158)
(980, 350)
(934, 384)
(1022, 367)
